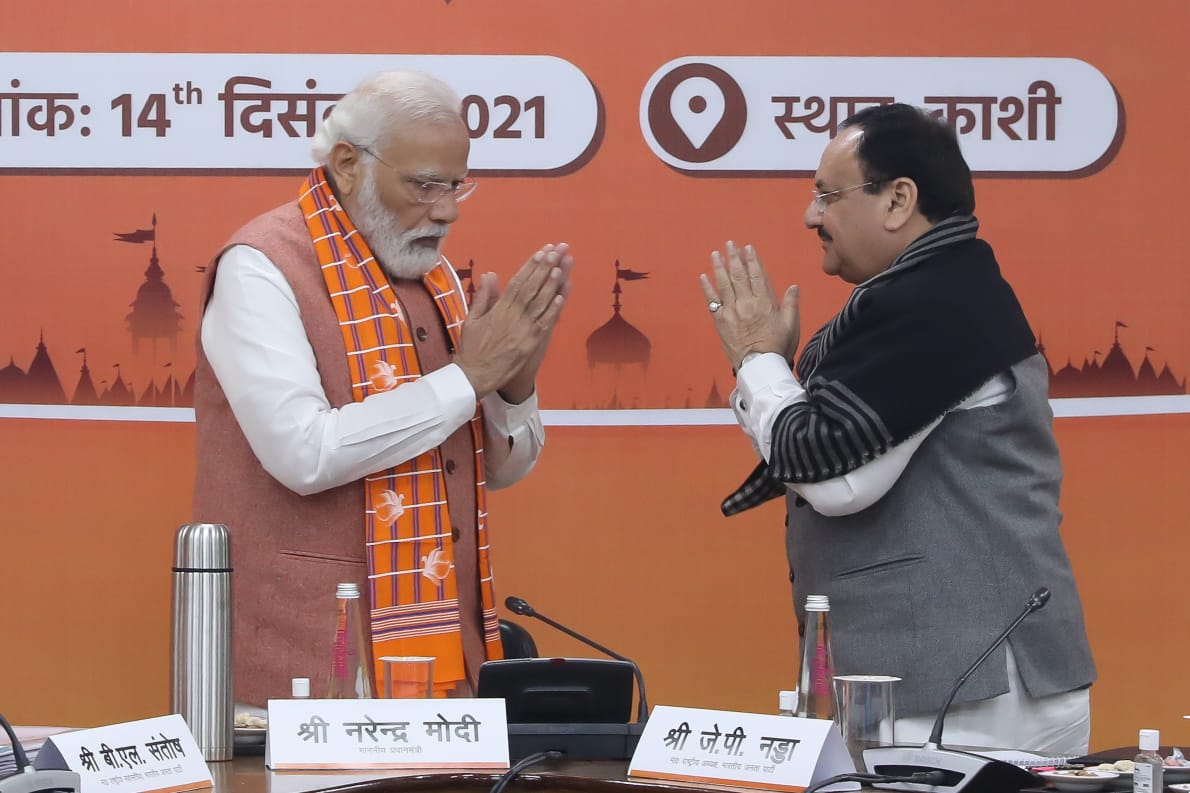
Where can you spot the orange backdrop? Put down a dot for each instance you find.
(617, 532)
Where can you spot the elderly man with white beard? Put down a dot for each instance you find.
(351, 412)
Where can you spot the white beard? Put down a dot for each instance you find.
(393, 247)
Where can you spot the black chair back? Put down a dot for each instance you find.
(516, 641)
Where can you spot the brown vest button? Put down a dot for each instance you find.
(421, 334)
(454, 533)
(450, 466)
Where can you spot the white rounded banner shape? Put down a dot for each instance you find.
(257, 112)
(776, 114)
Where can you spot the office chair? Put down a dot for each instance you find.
(516, 641)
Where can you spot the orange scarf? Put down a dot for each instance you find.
(411, 574)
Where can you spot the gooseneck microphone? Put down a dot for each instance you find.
(1036, 602)
(519, 606)
(971, 773)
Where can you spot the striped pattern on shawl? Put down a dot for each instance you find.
(909, 345)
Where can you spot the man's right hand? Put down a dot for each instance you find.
(503, 332)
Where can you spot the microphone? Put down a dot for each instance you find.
(1036, 602)
(961, 771)
(519, 606)
(30, 780)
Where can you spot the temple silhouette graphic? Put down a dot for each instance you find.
(153, 324)
(1114, 377)
(618, 352)
(618, 355)
(154, 316)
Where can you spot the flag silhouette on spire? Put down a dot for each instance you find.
(138, 236)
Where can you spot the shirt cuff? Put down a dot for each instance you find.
(506, 419)
(765, 385)
(514, 414)
(766, 372)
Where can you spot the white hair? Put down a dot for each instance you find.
(380, 106)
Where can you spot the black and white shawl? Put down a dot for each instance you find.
(909, 345)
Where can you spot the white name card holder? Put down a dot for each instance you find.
(724, 749)
(157, 755)
(386, 733)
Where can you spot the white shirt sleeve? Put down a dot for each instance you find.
(253, 337)
(513, 437)
(766, 386)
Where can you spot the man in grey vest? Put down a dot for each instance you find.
(914, 444)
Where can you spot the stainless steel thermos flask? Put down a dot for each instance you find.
(201, 652)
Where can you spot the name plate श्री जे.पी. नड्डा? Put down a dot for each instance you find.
(751, 750)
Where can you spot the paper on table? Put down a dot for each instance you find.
(1024, 759)
(33, 735)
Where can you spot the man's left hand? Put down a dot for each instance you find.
(747, 316)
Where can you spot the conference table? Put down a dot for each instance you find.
(247, 774)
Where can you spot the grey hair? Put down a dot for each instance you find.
(380, 106)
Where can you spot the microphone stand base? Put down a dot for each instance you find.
(578, 741)
(964, 771)
(41, 781)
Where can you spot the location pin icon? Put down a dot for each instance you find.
(697, 105)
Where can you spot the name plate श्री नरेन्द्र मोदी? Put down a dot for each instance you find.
(387, 733)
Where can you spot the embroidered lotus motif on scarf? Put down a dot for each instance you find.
(385, 378)
(437, 566)
(390, 506)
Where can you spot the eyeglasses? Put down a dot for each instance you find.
(429, 192)
(820, 199)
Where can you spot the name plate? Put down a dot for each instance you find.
(157, 754)
(387, 733)
(739, 750)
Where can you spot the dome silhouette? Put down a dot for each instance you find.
(154, 312)
(618, 342)
(12, 382)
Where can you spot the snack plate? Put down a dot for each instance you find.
(250, 736)
(1080, 781)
